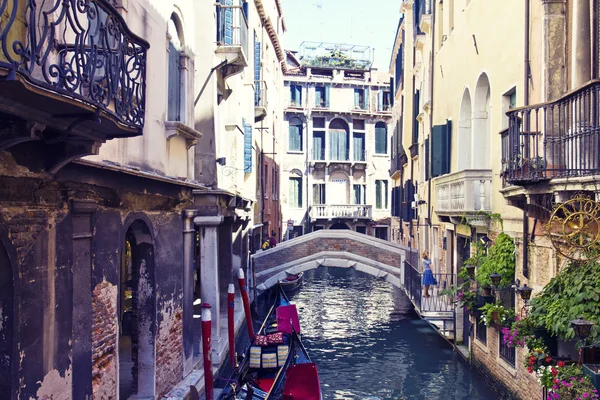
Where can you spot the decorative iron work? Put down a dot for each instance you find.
(553, 140)
(574, 228)
(78, 48)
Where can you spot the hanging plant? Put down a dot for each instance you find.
(574, 292)
(500, 259)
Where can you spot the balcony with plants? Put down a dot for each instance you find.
(72, 75)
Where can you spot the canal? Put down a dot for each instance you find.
(368, 342)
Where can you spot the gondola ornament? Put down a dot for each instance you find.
(574, 228)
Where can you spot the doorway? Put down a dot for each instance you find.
(137, 313)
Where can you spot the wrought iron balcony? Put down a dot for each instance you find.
(464, 193)
(260, 100)
(353, 211)
(71, 66)
(560, 139)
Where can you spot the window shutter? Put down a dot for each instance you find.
(367, 94)
(378, 194)
(317, 96)
(299, 94)
(174, 85)
(256, 71)
(415, 137)
(327, 94)
(448, 147)
(380, 100)
(393, 202)
(299, 180)
(427, 167)
(228, 22)
(437, 150)
(295, 138)
(356, 97)
(391, 91)
(386, 194)
(247, 147)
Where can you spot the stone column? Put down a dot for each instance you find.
(188, 289)
(581, 61)
(82, 212)
(209, 275)
(225, 262)
(553, 49)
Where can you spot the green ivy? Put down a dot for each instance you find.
(499, 259)
(574, 292)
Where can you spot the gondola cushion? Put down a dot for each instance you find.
(269, 360)
(282, 353)
(275, 338)
(261, 340)
(255, 356)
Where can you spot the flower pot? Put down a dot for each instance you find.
(495, 316)
(593, 371)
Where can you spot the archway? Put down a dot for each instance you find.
(339, 140)
(464, 132)
(7, 319)
(480, 146)
(137, 313)
(339, 225)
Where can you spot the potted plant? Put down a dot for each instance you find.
(492, 313)
(592, 371)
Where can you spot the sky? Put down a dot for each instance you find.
(361, 22)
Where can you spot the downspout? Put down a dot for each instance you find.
(526, 103)
(431, 73)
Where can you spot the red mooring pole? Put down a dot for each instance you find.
(230, 323)
(207, 351)
(244, 291)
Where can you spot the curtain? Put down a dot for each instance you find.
(318, 145)
(295, 192)
(319, 193)
(359, 147)
(318, 97)
(295, 137)
(380, 138)
(338, 144)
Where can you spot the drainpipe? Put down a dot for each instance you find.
(431, 73)
(526, 103)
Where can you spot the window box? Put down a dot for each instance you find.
(593, 372)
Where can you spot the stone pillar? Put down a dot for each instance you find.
(82, 212)
(188, 289)
(209, 275)
(581, 61)
(553, 49)
(225, 262)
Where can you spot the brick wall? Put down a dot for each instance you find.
(274, 258)
(509, 383)
(169, 352)
(104, 341)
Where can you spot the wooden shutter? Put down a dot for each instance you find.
(257, 71)
(327, 94)
(437, 148)
(392, 91)
(447, 147)
(367, 94)
(386, 194)
(415, 135)
(378, 194)
(228, 22)
(380, 100)
(317, 96)
(174, 85)
(247, 147)
(427, 169)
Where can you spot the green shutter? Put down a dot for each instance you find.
(378, 194)
(427, 166)
(367, 94)
(448, 147)
(437, 150)
(317, 97)
(327, 94)
(385, 187)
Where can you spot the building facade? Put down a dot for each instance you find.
(124, 203)
(335, 170)
(487, 161)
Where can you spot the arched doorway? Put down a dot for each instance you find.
(339, 140)
(137, 313)
(481, 158)
(7, 312)
(339, 225)
(464, 132)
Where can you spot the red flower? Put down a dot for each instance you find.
(530, 370)
(554, 372)
(548, 359)
(561, 364)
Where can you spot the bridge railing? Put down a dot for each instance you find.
(413, 284)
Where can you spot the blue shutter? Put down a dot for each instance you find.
(367, 94)
(317, 96)
(385, 187)
(257, 71)
(298, 95)
(380, 100)
(356, 97)
(174, 85)
(247, 147)
(228, 22)
(327, 94)
(437, 148)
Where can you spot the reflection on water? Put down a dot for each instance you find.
(368, 342)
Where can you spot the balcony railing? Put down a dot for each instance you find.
(260, 94)
(553, 140)
(232, 27)
(341, 211)
(79, 49)
(467, 191)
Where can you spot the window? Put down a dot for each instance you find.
(174, 107)
(258, 100)
(295, 95)
(295, 184)
(440, 149)
(319, 145)
(358, 145)
(274, 183)
(359, 194)
(322, 96)
(381, 194)
(383, 100)
(361, 229)
(481, 330)
(338, 140)
(381, 232)
(319, 193)
(295, 134)
(266, 181)
(380, 138)
(361, 100)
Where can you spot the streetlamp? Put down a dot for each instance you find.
(470, 270)
(582, 329)
(525, 292)
(495, 277)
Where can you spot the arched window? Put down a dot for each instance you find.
(380, 138)
(295, 134)
(175, 81)
(339, 140)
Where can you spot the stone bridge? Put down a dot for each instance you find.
(348, 249)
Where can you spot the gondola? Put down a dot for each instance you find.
(292, 282)
(280, 368)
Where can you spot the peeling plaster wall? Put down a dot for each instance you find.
(105, 331)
